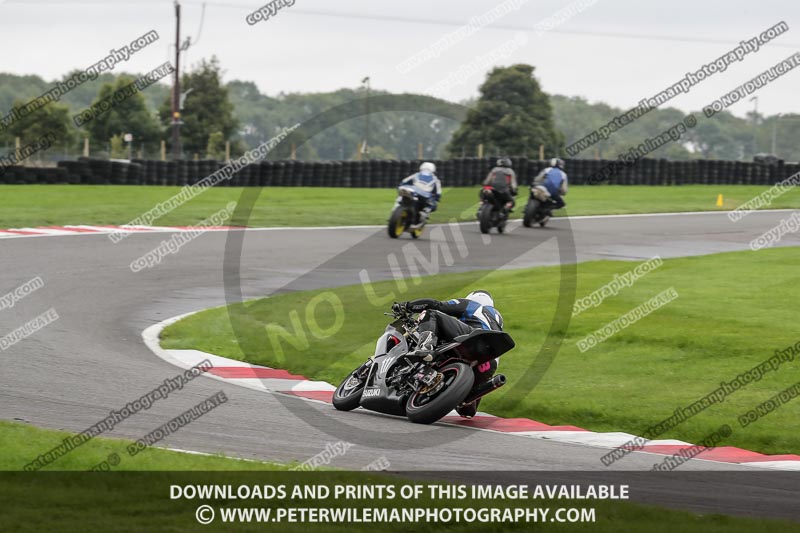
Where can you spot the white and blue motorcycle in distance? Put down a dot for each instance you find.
(407, 214)
(394, 382)
(539, 208)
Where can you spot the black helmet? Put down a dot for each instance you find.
(504, 162)
(556, 162)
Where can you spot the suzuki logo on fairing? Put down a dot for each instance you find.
(369, 393)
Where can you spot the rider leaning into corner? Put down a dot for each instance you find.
(555, 181)
(444, 321)
(503, 180)
(427, 181)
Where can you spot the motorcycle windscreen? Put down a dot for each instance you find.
(482, 345)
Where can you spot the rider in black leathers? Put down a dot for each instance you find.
(444, 321)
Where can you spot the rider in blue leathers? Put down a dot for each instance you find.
(555, 180)
(444, 321)
(428, 183)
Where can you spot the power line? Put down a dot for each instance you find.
(504, 27)
(448, 23)
(200, 28)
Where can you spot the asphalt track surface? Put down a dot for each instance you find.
(92, 360)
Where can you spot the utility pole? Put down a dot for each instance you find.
(755, 124)
(366, 120)
(176, 88)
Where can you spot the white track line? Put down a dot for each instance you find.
(149, 230)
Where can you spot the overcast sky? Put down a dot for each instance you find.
(615, 51)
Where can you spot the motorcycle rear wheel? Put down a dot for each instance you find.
(424, 408)
(530, 209)
(398, 221)
(485, 217)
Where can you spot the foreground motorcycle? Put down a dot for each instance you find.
(539, 208)
(493, 212)
(396, 383)
(407, 212)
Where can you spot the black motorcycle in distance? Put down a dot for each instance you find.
(396, 383)
(493, 211)
(407, 212)
(539, 208)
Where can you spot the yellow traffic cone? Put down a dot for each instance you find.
(719, 200)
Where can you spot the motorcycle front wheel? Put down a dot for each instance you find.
(426, 407)
(348, 394)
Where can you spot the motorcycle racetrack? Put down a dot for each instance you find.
(92, 359)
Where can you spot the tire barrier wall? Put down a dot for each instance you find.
(462, 172)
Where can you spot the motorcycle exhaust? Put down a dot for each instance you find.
(485, 388)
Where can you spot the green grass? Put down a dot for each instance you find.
(22, 443)
(734, 310)
(70, 500)
(47, 205)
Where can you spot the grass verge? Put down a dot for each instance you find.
(22, 443)
(70, 500)
(53, 205)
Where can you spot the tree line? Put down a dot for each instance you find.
(512, 116)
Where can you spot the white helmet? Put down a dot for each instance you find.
(481, 297)
(427, 166)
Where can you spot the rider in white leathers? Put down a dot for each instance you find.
(426, 181)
